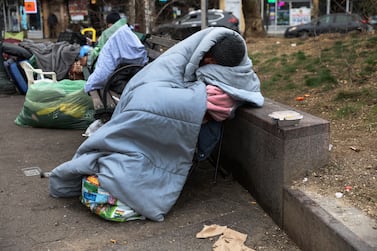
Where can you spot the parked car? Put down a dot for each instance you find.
(372, 20)
(191, 23)
(331, 23)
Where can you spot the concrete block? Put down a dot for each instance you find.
(314, 226)
(264, 157)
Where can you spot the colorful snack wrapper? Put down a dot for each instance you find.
(104, 204)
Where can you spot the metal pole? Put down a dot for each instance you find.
(348, 6)
(204, 8)
(276, 15)
(147, 16)
(4, 15)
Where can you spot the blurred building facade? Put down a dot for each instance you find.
(30, 16)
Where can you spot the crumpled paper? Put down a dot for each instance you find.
(229, 240)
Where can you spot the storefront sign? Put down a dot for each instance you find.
(30, 6)
(299, 16)
(78, 9)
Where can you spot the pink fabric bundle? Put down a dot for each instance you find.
(219, 104)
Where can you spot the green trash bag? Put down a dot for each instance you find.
(63, 105)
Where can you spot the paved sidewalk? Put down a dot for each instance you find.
(32, 220)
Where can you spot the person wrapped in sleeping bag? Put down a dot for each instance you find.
(143, 155)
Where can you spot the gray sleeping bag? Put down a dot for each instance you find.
(142, 156)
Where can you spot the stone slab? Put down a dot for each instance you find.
(264, 157)
(316, 222)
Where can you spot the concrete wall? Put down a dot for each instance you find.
(264, 157)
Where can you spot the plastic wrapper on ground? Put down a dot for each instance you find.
(104, 204)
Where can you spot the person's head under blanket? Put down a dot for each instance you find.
(228, 51)
(218, 56)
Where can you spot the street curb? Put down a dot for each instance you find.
(312, 227)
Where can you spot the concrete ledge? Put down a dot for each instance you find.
(318, 223)
(264, 157)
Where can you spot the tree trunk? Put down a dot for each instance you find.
(132, 12)
(147, 15)
(315, 9)
(253, 21)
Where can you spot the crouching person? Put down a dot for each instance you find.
(143, 154)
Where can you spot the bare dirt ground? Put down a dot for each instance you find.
(352, 169)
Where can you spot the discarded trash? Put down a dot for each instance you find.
(286, 118)
(300, 98)
(210, 231)
(92, 128)
(103, 204)
(31, 171)
(45, 174)
(338, 195)
(347, 188)
(305, 180)
(355, 149)
(293, 45)
(330, 147)
(229, 239)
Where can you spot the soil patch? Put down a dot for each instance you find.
(348, 101)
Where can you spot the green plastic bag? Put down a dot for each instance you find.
(63, 105)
